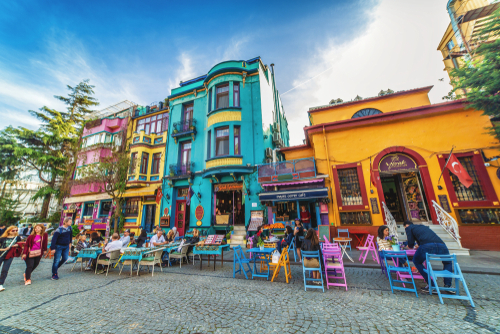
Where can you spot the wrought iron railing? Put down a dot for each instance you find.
(186, 126)
(447, 222)
(179, 170)
(390, 221)
(287, 167)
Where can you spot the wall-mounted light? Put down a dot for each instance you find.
(167, 196)
(371, 191)
(440, 188)
(199, 195)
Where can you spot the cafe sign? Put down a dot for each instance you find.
(394, 163)
(199, 212)
(228, 186)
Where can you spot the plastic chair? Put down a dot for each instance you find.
(293, 249)
(284, 262)
(433, 274)
(314, 255)
(334, 267)
(240, 259)
(344, 230)
(396, 269)
(367, 248)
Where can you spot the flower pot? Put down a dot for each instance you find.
(396, 248)
(261, 248)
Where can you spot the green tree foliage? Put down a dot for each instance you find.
(480, 75)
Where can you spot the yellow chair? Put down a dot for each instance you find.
(284, 261)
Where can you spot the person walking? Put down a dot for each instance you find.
(60, 245)
(36, 246)
(428, 242)
(8, 247)
(27, 230)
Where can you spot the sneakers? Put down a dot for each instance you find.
(101, 272)
(426, 290)
(24, 275)
(55, 277)
(28, 282)
(2, 288)
(88, 268)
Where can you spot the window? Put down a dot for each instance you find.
(117, 139)
(105, 208)
(475, 191)
(154, 124)
(237, 148)
(350, 191)
(132, 206)
(108, 138)
(133, 162)
(222, 141)
(366, 112)
(188, 117)
(144, 163)
(88, 210)
(222, 96)
(355, 218)
(155, 167)
(209, 144)
(210, 100)
(236, 94)
(450, 44)
(454, 61)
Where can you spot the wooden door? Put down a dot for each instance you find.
(180, 217)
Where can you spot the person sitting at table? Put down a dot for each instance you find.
(170, 236)
(176, 234)
(96, 238)
(311, 244)
(141, 240)
(132, 239)
(287, 241)
(298, 232)
(193, 240)
(115, 244)
(383, 244)
(82, 243)
(125, 240)
(157, 239)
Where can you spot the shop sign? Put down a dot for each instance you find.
(254, 205)
(98, 221)
(182, 192)
(69, 211)
(88, 221)
(443, 200)
(298, 195)
(87, 227)
(199, 212)
(396, 162)
(374, 204)
(228, 186)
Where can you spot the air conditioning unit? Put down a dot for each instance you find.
(282, 143)
(268, 161)
(276, 137)
(269, 152)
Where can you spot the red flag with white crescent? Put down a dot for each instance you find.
(456, 168)
(159, 195)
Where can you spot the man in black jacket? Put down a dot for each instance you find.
(428, 242)
(61, 240)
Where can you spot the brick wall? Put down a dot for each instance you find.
(480, 237)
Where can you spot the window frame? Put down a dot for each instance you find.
(209, 144)
(149, 123)
(130, 209)
(155, 163)
(101, 206)
(210, 99)
(144, 168)
(482, 174)
(225, 84)
(238, 137)
(236, 94)
(85, 209)
(133, 166)
(217, 141)
(362, 187)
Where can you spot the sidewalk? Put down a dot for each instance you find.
(479, 262)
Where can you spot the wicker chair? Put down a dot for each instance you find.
(151, 261)
(114, 257)
(181, 255)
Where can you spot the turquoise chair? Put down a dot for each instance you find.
(293, 249)
(344, 230)
(393, 269)
(240, 259)
(433, 274)
(314, 255)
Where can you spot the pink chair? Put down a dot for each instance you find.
(334, 266)
(326, 239)
(367, 248)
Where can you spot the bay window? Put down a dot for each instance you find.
(155, 166)
(133, 162)
(154, 124)
(222, 98)
(222, 141)
(237, 148)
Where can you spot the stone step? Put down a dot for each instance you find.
(239, 233)
(237, 237)
(239, 228)
(242, 243)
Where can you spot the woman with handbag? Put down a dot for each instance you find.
(8, 248)
(36, 246)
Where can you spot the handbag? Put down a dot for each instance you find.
(38, 252)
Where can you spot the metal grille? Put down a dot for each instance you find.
(349, 187)
(475, 191)
(480, 216)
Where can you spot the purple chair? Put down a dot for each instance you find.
(334, 266)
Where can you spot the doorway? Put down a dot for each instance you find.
(149, 219)
(405, 197)
(181, 216)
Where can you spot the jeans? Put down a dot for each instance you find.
(60, 257)
(307, 226)
(438, 249)
(31, 264)
(5, 268)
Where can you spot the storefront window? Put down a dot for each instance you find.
(105, 208)
(237, 149)
(132, 206)
(480, 216)
(222, 141)
(222, 96)
(355, 218)
(350, 190)
(475, 191)
(88, 210)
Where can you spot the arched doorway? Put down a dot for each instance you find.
(404, 184)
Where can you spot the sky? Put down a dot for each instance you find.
(140, 50)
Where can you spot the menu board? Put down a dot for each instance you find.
(256, 220)
(215, 239)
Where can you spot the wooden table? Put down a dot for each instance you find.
(261, 255)
(211, 250)
(343, 241)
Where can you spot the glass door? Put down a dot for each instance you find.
(188, 116)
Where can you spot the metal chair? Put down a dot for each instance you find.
(395, 269)
(433, 274)
(344, 230)
(114, 256)
(314, 255)
(240, 259)
(150, 261)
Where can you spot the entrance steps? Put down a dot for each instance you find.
(238, 236)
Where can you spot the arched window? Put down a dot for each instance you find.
(366, 112)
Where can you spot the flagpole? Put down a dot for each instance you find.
(449, 156)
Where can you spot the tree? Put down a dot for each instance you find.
(480, 75)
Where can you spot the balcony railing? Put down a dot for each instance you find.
(184, 128)
(287, 170)
(180, 171)
(153, 107)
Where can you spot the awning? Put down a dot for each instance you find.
(289, 183)
(88, 198)
(294, 195)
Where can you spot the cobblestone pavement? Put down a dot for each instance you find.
(190, 300)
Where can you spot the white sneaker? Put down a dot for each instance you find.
(2, 288)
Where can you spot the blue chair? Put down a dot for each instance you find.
(393, 269)
(433, 274)
(314, 255)
(292, 248)
(240, 259)
(344, 230)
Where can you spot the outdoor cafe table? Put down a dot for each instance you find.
(261, 255)
(343, 244)
(132, 255)
(89, 253)
(211, 250)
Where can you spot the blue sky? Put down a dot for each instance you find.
(139, 50)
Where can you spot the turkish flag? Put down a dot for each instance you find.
(159, 195)
(456, 168)
(373, 178)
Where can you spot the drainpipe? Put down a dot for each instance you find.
(454, 25)
(332, 184)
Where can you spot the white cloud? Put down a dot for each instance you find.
(183, 73)
(397, 51)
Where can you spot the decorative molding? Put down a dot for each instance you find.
(225, 116)
(223, 162)
(243, 77)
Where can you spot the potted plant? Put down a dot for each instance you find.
(394, 242)
(191, 127)
(175, 131)
(260, 244)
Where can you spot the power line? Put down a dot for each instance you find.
(307, 80)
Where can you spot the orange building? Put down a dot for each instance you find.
(384, 155)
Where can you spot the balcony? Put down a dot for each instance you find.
(287, 170)
(184, 129)
(180, 171)
(152, 108)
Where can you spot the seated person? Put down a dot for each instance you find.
(170, 236)
(132, 239)
(193, 240)
(287, 241)
(126, 238)
(157, 239)
(115, 244)
(383, 244)
(82, 243)
(143, 237)
(311, 244)
(176, 234)
(96, 238)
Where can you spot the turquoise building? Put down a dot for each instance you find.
(222, 125)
